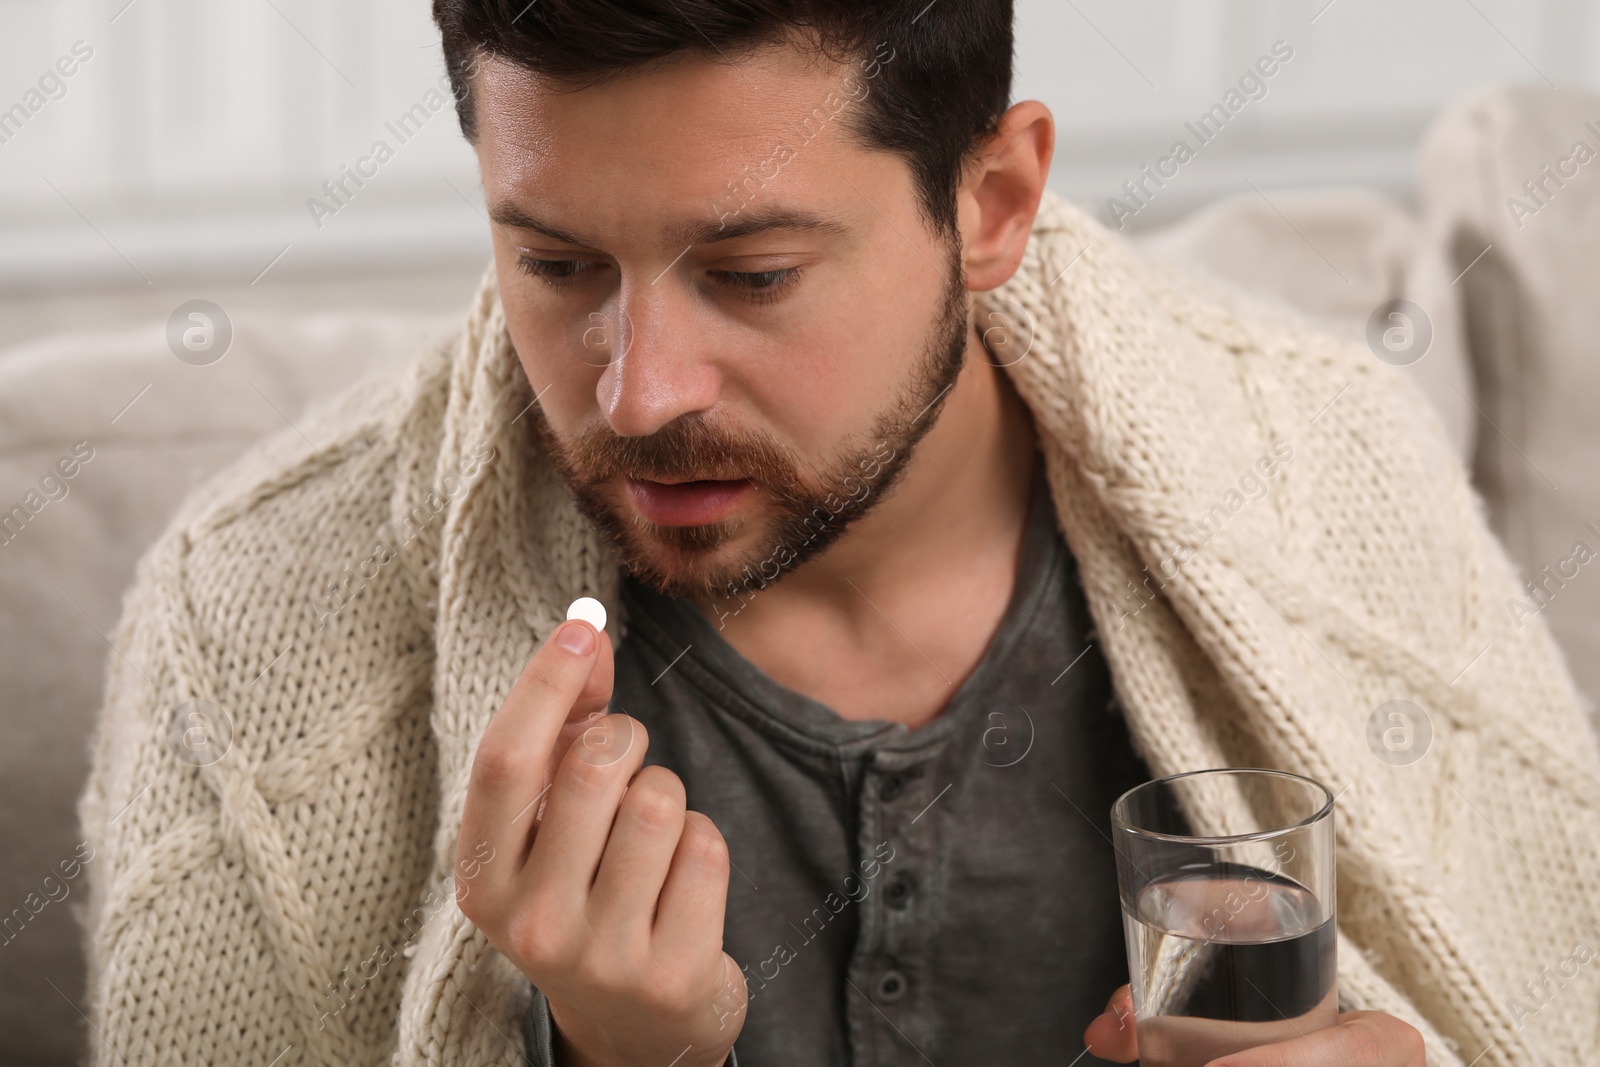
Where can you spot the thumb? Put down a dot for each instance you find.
(596, 692)
(592, 702)
(1111, 1035)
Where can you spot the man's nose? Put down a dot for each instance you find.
(660, 366)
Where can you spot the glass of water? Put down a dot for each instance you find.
(1230, 923)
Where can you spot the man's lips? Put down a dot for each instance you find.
(693, 503)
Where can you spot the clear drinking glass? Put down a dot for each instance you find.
(1230, 924)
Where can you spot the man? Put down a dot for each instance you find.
(929, 518)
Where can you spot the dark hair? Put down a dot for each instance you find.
(939, 70)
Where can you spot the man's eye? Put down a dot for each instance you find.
(762, 286)
(554, 271)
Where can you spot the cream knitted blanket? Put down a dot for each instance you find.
(273, 883)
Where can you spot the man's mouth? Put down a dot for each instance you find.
(688, 503)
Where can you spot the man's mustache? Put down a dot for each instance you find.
(686, 449)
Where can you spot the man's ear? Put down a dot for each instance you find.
(1000, 194)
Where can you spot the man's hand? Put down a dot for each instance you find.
(1358, 1039)
(600, 886)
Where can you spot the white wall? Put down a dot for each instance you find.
(1349, 107)
(187, 145)
(198, 130)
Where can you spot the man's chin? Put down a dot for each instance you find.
(685, 561)
(690, 565)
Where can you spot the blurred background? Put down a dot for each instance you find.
(162, 159)
(178, 160)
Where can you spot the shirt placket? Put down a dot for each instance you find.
(889, 998)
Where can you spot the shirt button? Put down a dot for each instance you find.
(891, 986)
(898, 893)
(894, 783)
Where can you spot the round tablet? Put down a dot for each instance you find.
(589, 610)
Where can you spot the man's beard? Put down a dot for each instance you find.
(810, 515)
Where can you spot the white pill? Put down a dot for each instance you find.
(589, 610)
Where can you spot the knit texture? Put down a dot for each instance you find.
(359, 597)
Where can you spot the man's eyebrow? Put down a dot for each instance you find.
(746, 222)
(508, 214)
(751, 221)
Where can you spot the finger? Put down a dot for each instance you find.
(1358, 1039)
(505, 779)
(583, 804)
(1112, 1035)
(732, 994)
(650, 820)
(689, 916)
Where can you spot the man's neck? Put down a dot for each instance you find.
(888, 621)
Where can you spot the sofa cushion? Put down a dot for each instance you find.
(1510, 189)
(101, 435)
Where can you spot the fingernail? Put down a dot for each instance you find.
(575, 637)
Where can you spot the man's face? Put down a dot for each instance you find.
(740, 326)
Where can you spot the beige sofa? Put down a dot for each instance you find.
(115, 429)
